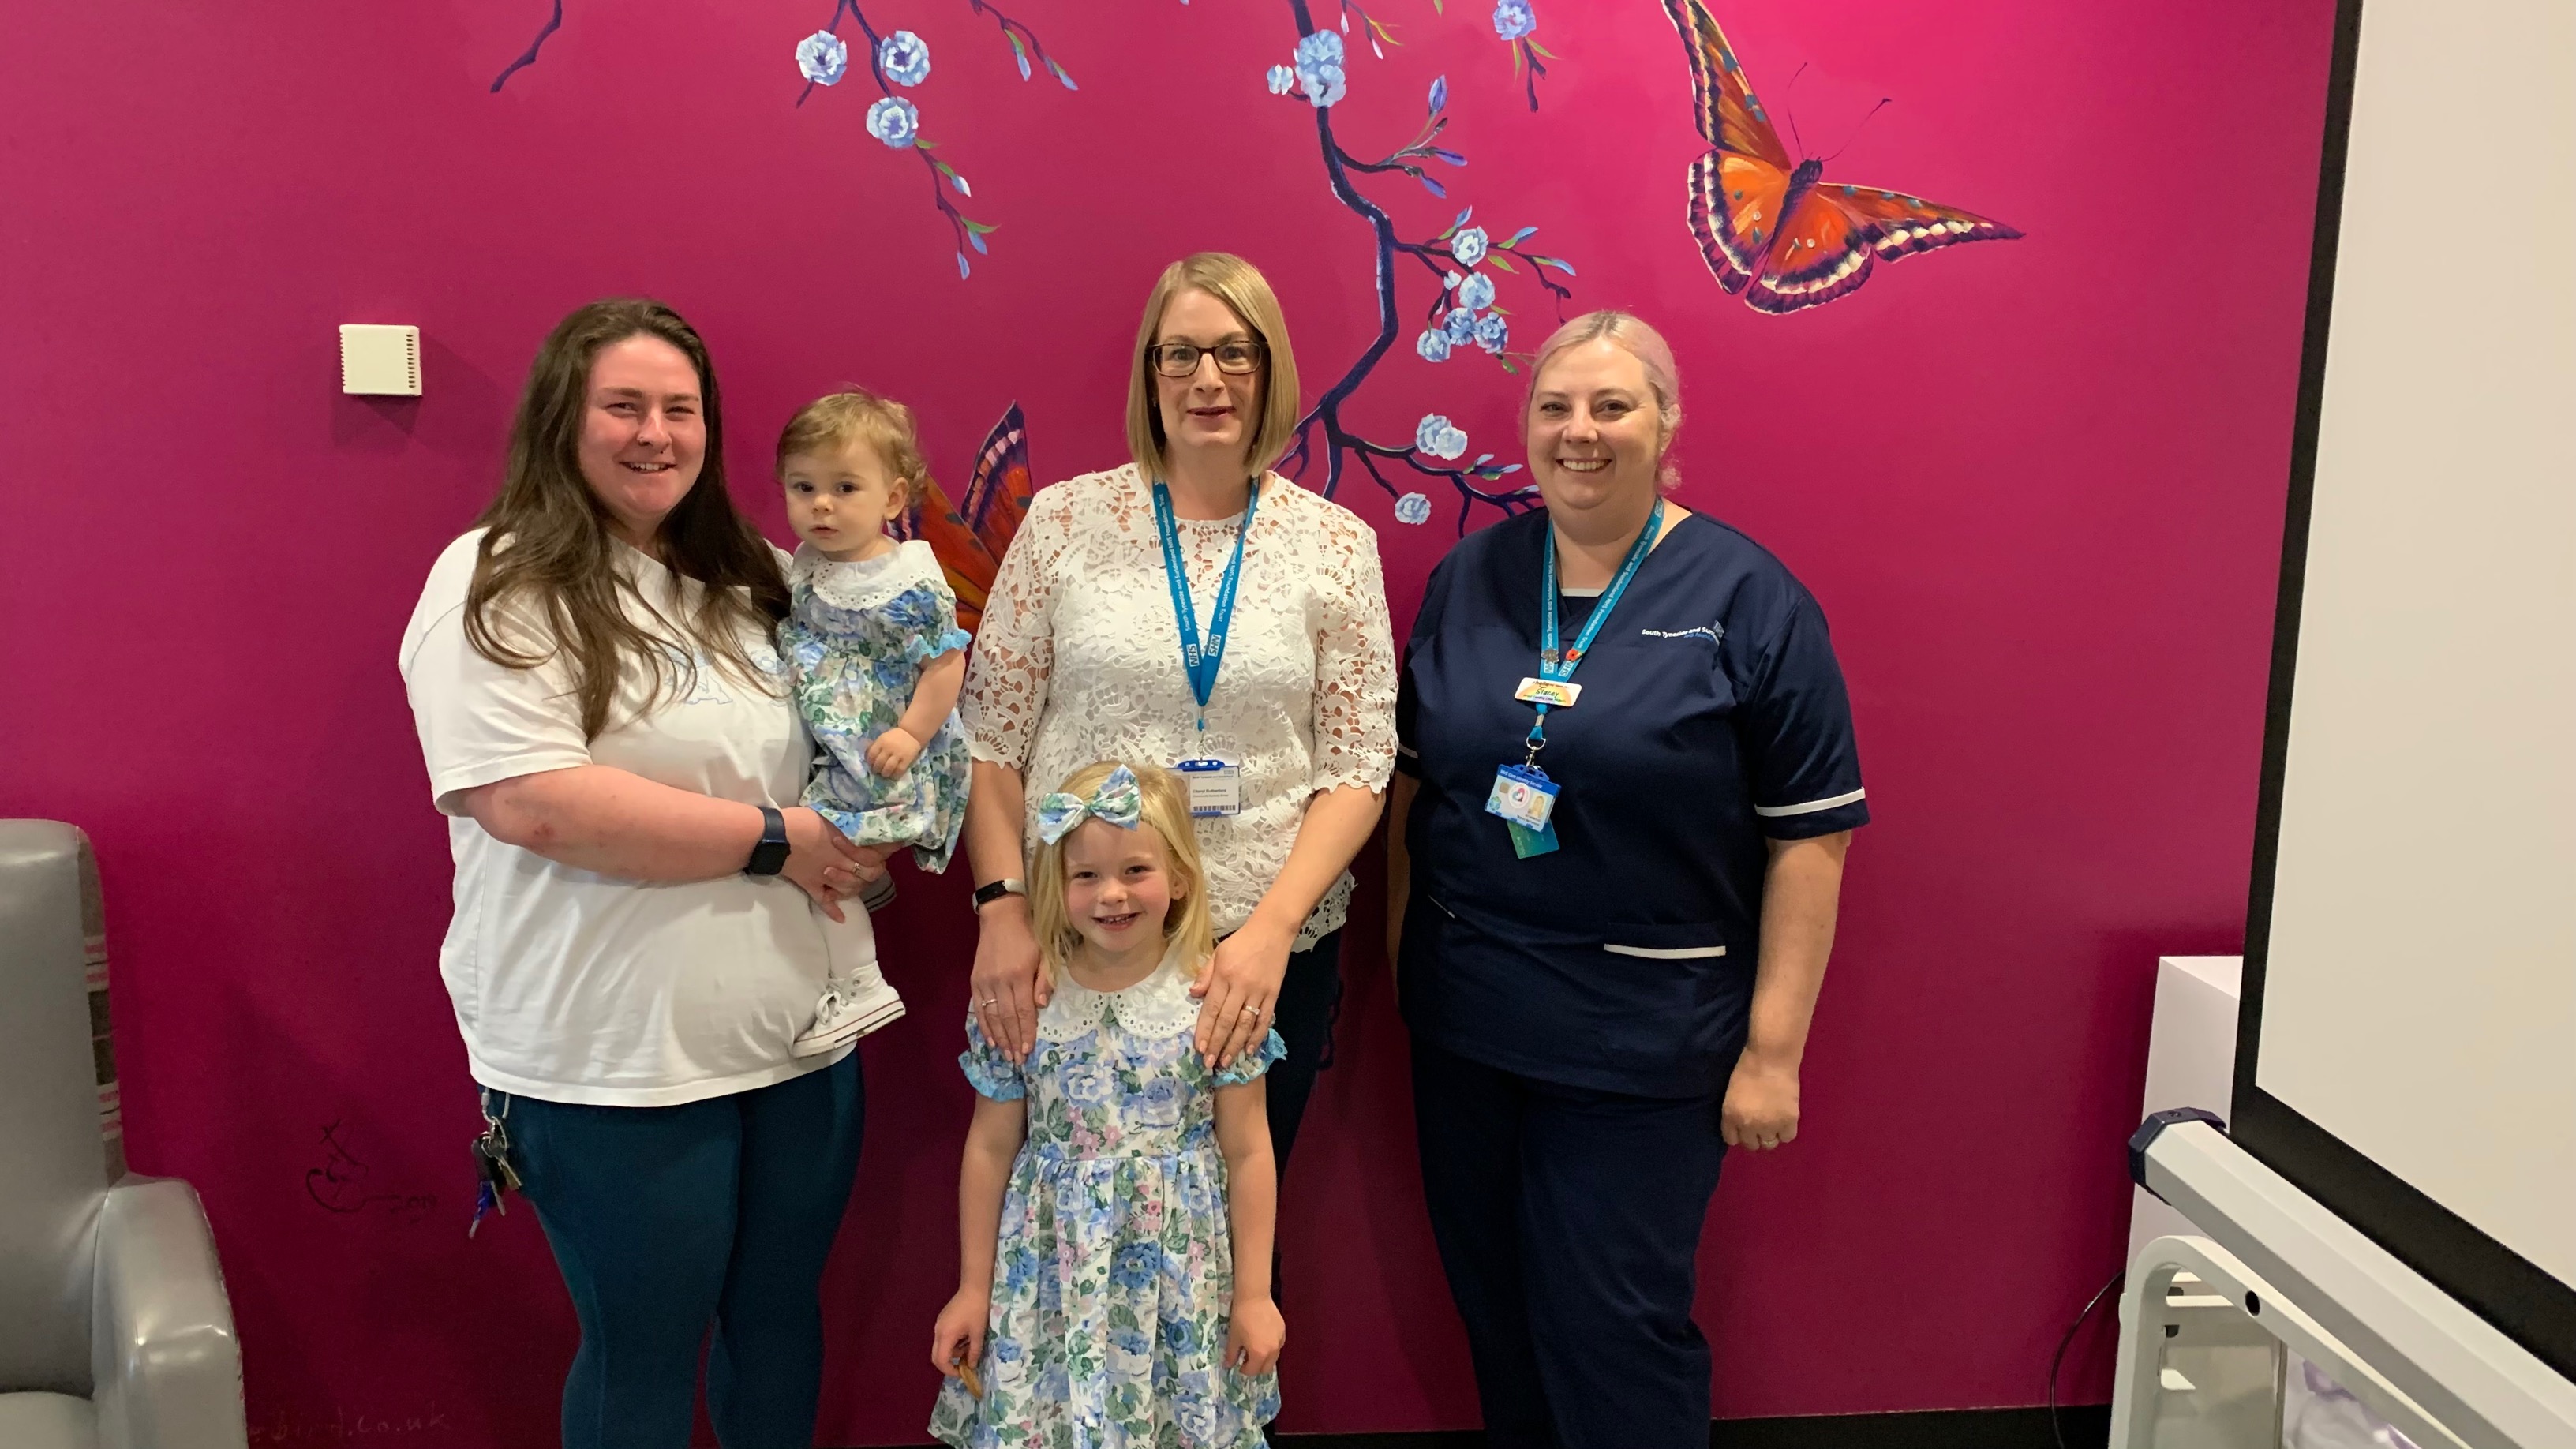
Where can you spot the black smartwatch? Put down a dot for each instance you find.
(993, 891)
(769, 857)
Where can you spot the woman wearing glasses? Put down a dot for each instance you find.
(1194, 609)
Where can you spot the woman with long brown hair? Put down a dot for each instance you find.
(637, 935)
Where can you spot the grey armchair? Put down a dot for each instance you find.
(114, 1328)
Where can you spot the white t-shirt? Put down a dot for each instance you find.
(575, 987)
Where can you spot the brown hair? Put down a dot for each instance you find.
(547, 543)
(1633, 335)
(856, 415)
(1165, 806)
(1241, 287)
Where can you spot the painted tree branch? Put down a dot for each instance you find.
(553, 23)
(1322, 435)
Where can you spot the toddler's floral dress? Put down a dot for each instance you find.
(1115, 1274)
(856, 637)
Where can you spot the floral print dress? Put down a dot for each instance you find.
(857, 636)
(1115, 1273)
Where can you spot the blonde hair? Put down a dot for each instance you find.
(1167, 813)
(856, 415)
(1633, 335)
(1241, 287)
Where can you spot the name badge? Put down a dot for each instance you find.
(1556, 694)
(1523, 795)
(1216, 788)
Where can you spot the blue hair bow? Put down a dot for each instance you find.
(1117, 801)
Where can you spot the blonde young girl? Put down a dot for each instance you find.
(872, 640)
(1117, 1199)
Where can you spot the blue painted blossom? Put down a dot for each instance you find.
(1469, 246)
(1460, 325)
(1513, 19)
(1319, 67)
(1439, 94)
(1449, 281)
(1283, 79)
(823, 57)
(904, 57)
(1413, 508)
(895, 121)
(1439, 437)
(1477, 292)
(1492, 332)
(1433, 344)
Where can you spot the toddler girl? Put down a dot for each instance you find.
(873, 642)
(1117, 1198)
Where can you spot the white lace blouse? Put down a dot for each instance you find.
(1079, 659)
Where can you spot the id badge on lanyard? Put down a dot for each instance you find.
(1523, 795)
(1216, 788)
(1216, 784)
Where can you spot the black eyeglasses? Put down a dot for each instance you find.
(1180, 359)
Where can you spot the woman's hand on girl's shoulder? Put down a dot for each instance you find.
(1239, 993)
(1254, 1335)
(1006, 988)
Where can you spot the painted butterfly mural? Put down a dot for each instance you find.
(1772, 230)
(971, 535)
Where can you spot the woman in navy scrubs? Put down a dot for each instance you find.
(1603, 999)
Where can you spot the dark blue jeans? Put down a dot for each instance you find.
(665, 1220)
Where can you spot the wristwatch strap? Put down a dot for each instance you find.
(993, 891)
(769, 857)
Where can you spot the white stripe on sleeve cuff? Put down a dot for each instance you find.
(1810, 808)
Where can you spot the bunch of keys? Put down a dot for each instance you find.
(492, 1165)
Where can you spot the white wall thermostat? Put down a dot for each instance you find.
(379, 360)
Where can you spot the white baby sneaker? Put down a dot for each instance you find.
(852, 1006)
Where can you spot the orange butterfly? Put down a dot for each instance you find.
(1767, 228)
(971, 536)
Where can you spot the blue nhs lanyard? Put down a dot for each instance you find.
(1558, 667)
(1200, 661)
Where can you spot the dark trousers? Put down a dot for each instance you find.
(665, 1220)
(1308, 997)
(1569, 1222)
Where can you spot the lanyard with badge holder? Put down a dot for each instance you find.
(1523, 795)
(1216, 785)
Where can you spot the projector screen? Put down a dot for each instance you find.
(2408, 1047)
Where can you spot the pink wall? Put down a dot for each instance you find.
(2036, 483)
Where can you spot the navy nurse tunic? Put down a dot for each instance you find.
(1713, 715)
